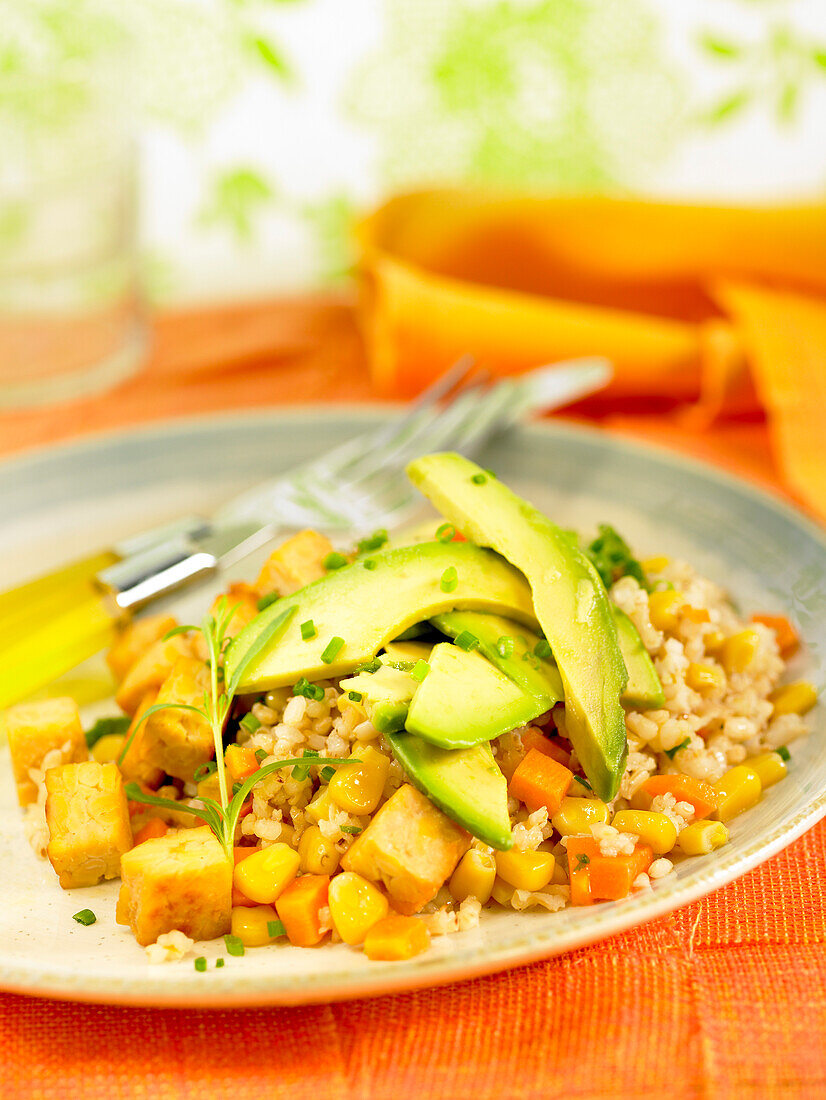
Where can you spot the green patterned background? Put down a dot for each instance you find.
(264, 124)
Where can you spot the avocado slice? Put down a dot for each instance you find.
(466, 783)
(464, 700)
(535, 675)
(405, 652)
(570, 601)
(386, 695)
(368, 607)
(644, 689)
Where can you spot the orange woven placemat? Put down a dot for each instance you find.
(725, 998)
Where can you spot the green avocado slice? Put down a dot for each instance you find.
(465, 783)
(517, 658)
(644, 689)
(386, 695)
(570, 601)
(465, 700)
(369, 606)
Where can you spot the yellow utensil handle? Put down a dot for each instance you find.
(66, 587)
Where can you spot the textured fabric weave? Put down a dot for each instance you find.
(723, 999)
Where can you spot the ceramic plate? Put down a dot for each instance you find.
(72, 499)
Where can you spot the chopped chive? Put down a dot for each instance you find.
(355, 696)
(353, 830)
(582, 860)
(531, 659)
(204, 771)
(332, 650)
(542, 649)
(260, 755)
(249, 722)
(581, 779)
(301, 771)
(267, 600)
(466, 641)
(308, 630)
(479, 479)
(373, 542)
(219, 962)
(308, 690)
(327, 773)
(490, 473)
(504, 646)
(446, 532)
(233, 945)
(450, 579)
(420, 670)
(85, 917)
(370, 563)
(369, 666)
(783, 753)
(275, 928)
(671, 753)
(200, 964)
(335, 560)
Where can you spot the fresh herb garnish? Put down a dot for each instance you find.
(267, 601)
(85, 917)
(233, 945)
(581, 779)
(355, 696)
(542, 649)
(420, 670)
(450, 579)
(106, 726)
(326, 774)
(250, 723)
(369, 666)
(303, 770)
(612, 558)
(504, 646)
(219, 963)
(353, 830)
(308, 630)
(370, 563)
(204, 771)
(200, 964)
(308, 690)
(373, 542)
(582, 860)
(446, 532)
(260, 755)
(783, 753)
(479, 479)
(466, 641)
(275, 928)
(671, 753)
(332, 650)
(335, 560)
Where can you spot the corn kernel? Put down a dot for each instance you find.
(656, 564)
(525, 870)
(106, 749)
(474, 876)
(739, 790)
(357, 788)
(770, 768)
(738, 650)
(713, 640)
(664, 607)
(262, 876)
(640, 800)
(319, 855)
(210, 787)
(577, 815)
(702, 837)
(502, 891)
(249, 924)
(656, 830)
(794, 698)
(705, 678)
(319, 808)
(396, 938)
(355, 906)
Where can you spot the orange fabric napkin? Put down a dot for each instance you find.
(723, 1000)
(518, 281)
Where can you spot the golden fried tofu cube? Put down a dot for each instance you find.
(138, 765)
(134, 640)
(296, 562)
(243, 598)
(179, 881)
(88, 821)
(150, 670)
(33, 731)
(411, 847)
(177, 740)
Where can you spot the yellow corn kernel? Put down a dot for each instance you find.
(770, 768)
(525, 870)
(319, 808)
(577, 815)
(106, 749)
(355, 906)
(705, 678)
(473, 877)
(794, 698)
(249, 924)
(664, 607)
(713, 640)
(702, 837)
(739, 790)
(357, 788)
(738, 650)
(210, 787)
(656, 830)
(640, 800)
(318, 853)
(262, 876)
(502, 891)
(656, 564)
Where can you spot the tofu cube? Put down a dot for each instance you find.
(150, 670)
(296, 562)
(179, 741)
(181, 881)
(244, 599)
(134, 640)
(138, 765)
(33, 731)
(410, 847)
(88, 822)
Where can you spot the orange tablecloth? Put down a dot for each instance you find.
(726, 998)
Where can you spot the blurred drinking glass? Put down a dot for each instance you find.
(70, 315)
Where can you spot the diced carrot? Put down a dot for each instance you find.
(139, 807)
(241, 762)
(395, 938)
(155, 827)
(458, 537)
(696, 614)
(540, 781)
(610, 877)
(581, 886)
(299, 909)
(788, 640)
(534, 738)
(685, 788)
(242, 851)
